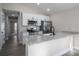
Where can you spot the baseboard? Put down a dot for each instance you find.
(63, 52)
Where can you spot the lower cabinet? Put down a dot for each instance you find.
(76, 42)
(50, 48)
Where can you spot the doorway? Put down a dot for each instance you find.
(13, 21)
(11, 24)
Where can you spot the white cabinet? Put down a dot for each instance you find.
(25, 20)
(34, 17)
(25, 37)
(50, 48)
(76, 42)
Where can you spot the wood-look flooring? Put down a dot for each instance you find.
(12, 48)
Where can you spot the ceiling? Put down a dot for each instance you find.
(54, 7)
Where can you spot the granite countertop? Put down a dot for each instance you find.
(34, 39)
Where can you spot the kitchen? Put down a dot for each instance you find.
(45, 29)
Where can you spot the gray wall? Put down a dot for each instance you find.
(67, 20)
(0, 25)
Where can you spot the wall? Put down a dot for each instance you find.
(0, 7)
(0, 29)
(66, 20)
(0, 25)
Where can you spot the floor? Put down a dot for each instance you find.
(72, 53)
(12, 48)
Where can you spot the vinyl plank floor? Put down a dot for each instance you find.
(12, 48)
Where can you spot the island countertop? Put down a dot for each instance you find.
(35, 39)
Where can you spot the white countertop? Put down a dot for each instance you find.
(35, 39)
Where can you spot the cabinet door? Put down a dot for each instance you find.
(76, 42)
(25, 19)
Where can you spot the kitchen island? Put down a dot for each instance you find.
(47, 45)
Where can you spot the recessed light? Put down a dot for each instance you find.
(38, 3)
(48, 9)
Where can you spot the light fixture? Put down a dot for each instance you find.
(48, 9)
(38, 3)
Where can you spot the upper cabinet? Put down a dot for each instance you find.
(33, 17)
